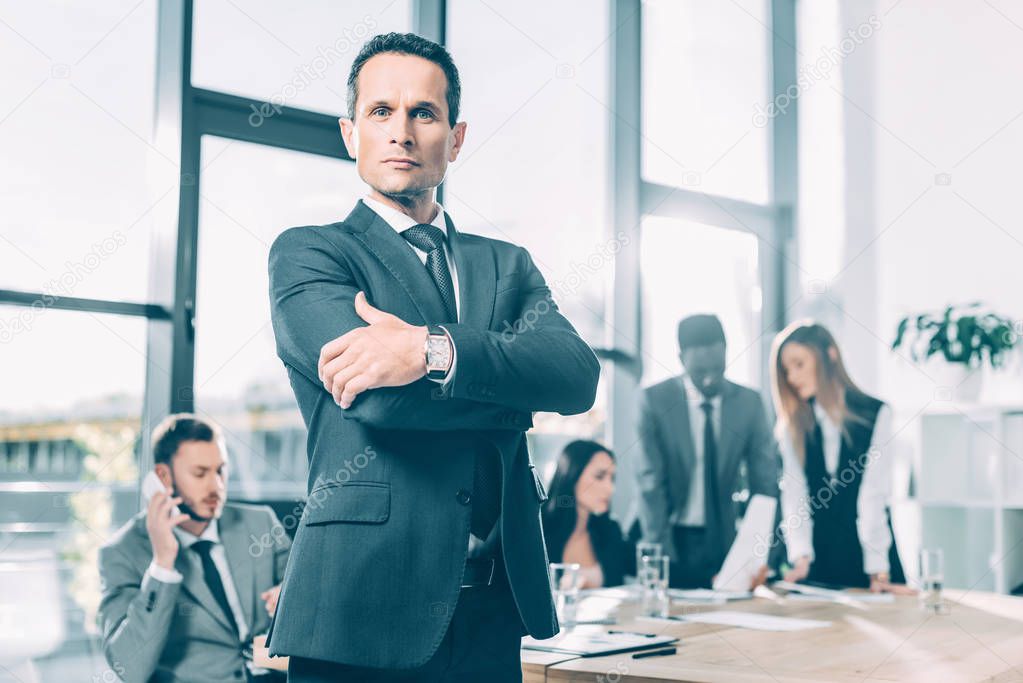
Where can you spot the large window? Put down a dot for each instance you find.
(692, 268)
(533, 170)
(79, 177)
(706, 67)
(250, 193)
(293, 54)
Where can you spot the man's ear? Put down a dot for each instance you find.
(350, 136)
(833, 353)
(457, 140)
(164, 473)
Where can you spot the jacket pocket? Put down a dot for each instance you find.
(365, 501)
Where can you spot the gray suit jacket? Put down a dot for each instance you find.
(376, 569)
(667, 456)
(155, 631)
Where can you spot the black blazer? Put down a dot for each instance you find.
(377, 562)
(616, 555)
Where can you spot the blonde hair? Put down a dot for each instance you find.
(795, 417)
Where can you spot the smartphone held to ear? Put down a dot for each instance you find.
(151, 485)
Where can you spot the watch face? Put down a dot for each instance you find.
(438, 353)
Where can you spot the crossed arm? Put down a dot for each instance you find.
(371, 362)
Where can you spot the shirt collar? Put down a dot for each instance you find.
(695, 396)
(187, 538)
(400, 221)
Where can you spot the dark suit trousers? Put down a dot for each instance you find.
(482, 643)
(698, 561)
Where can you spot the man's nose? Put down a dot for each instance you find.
(401, 130)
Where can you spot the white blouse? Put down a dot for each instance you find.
(874, 495)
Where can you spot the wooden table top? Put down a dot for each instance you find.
(980, 639)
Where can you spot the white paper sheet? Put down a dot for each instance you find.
(749, 549)
(759, 622)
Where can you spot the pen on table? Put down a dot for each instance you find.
(633, 633)
(654, 653)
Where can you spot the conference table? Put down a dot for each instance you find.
(979, 637)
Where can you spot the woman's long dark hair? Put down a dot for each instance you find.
(559, 512)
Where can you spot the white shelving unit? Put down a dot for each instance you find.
(970, 491)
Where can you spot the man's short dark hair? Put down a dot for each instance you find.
(178, 428)
(407, 44)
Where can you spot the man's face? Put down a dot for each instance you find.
(400, 138)
(705, 365)
(198, 472)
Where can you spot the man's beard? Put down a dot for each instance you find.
(185, 507)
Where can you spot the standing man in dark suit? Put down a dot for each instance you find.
(417, 354)
(696, 431)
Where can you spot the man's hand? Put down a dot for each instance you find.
(269, 597)
(159, 525)
(386, 353)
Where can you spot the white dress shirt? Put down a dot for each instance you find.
(871, 506)
(694, 513)
(186, 539)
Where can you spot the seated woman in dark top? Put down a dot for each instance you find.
(577, 525)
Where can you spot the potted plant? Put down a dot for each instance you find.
(966, 337)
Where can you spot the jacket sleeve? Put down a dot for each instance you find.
(652, 480)
(312, 301)
(134, 616)
(537, 362)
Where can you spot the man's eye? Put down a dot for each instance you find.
(426, 114)
(379, 111)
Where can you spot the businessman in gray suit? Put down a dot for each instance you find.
(699, 433)
(185, 592)
(417, 354)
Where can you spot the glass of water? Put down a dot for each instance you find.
(653, 581)
(566, 579)
(646, 549)
(932, 576)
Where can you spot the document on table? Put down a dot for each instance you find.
(759, 622)
(807, 592)
(585, 641)
(706, 595)
(749, 549)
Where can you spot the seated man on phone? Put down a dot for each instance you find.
(188, 582)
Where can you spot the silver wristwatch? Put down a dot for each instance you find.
(438, 353)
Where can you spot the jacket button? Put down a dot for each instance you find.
(463, 497)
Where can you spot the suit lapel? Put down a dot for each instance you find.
(477, 277)
(400, 260)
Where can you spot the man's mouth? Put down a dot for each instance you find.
(400, 162)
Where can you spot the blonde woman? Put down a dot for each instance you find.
(836, 466)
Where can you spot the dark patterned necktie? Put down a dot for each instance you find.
(212, 577)
(430, 239)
